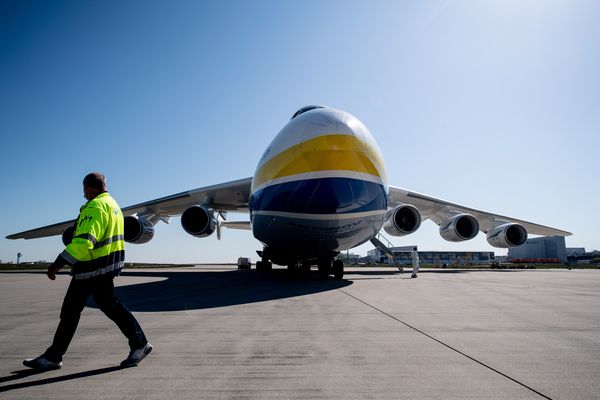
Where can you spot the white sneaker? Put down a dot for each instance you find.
(135, 356)
(41, 363)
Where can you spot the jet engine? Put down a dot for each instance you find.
(138, 230)
(402, 220)
(198, 221)
(507, 235)
(459, 227)
(67, 236)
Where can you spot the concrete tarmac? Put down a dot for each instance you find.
(226, 334)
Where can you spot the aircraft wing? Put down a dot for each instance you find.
(229, 196)
(49, 230)
(439, 210)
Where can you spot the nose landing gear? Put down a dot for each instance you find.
(264, 264)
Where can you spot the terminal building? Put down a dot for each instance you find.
(402, 256)
(545, 249)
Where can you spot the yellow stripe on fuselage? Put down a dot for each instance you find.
(322, 153)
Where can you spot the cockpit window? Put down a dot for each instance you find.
(305, 109)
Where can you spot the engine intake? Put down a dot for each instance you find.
(138, 230)
(402, 220)
(507, 235)
(198, 221)
(459, 228)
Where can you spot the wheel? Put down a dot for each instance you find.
(338, 269)
(263, 266)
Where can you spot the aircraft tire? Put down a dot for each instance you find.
(262, 266)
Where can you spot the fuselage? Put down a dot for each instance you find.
(320, 187)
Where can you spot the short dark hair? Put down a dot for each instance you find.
(95, 180)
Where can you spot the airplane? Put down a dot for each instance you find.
(320, 188)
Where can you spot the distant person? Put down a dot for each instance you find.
(96, 255)
(415, 262)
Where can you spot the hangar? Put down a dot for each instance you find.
(542, 249)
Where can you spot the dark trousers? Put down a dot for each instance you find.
(102, 290)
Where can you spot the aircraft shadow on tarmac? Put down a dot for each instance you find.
(190, 290)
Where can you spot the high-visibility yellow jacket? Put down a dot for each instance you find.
(98, 245)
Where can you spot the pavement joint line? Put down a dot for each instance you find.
(446, 345)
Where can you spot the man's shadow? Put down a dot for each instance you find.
(30, 372)
(196, 289)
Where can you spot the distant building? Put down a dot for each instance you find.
(378, 256)
(403, 256)
(460, 258)
(542, 249)
(365, 260)
(575, 251)
(349, 259)
(587, 257)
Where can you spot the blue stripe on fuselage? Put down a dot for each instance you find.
(321, 196)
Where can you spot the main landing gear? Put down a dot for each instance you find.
(264, 265)
(326, 268)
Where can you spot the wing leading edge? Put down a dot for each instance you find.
(439, 210)
(228, 196)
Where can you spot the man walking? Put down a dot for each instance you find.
(415, 262)
(96, 255)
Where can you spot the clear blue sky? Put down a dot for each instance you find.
(493, 105)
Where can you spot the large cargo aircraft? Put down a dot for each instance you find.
(320, 187)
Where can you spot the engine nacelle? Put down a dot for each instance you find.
(459, 227)
(402, 220)
(198, 221)
(507, 235)
(67, 236)
(138, 230)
